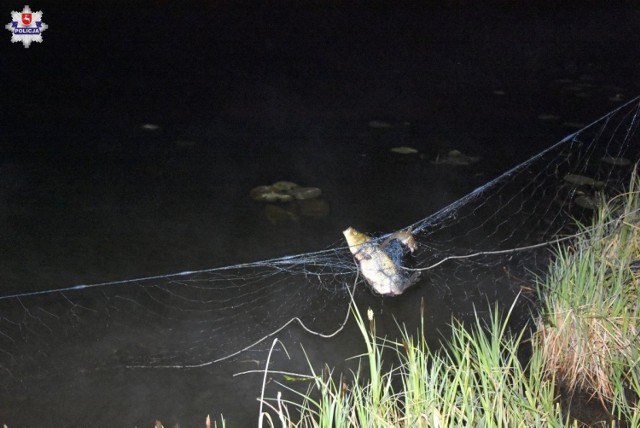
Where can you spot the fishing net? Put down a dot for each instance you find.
(500, 234)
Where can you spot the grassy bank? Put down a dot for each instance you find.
(584, 343)
(588, 335)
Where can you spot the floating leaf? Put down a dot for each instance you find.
(269, 194)
(283, 186)
(404, 150)
(283, 191)
(456, 157)
(616, 161)
(581, 180)
(305, 192)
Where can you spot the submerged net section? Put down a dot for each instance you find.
(501, 231)
(537, 203)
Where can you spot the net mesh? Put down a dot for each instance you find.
(500, 234)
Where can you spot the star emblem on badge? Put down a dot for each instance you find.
(26, 26)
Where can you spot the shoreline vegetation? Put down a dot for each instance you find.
(584, 347)
(583, 352)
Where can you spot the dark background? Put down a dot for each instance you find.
(247, 95)
(270, 93)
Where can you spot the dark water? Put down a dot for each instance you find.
(244, 97)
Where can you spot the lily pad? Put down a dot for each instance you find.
(299, 201)
(283, 186)
(581, 180)
(456, 157)
(616, 161)
(269, 194)
(404, 150)
(305, 192)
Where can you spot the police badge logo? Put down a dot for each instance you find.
(26, 26)
(26, 18)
